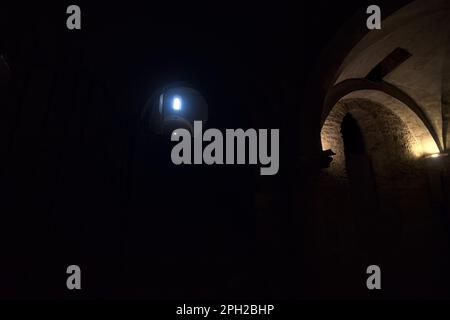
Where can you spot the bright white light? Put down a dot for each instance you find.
(176, 103)
(436, 155)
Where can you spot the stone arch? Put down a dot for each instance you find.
(389, 141)
(421, 29)
(395, 100)
(445, 95)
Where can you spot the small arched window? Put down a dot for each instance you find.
(176, 106)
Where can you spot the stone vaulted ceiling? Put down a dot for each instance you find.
(422, 28)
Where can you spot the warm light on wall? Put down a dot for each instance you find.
(436, 155)
(417, 149)
(429, 147)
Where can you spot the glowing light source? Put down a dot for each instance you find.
(436, 155)
(429, 146)
(176, 103)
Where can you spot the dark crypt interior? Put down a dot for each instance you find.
(364, 133)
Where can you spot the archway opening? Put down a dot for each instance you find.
(358, 165)
(352, 136)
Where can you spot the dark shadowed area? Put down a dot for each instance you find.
(85, 180)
